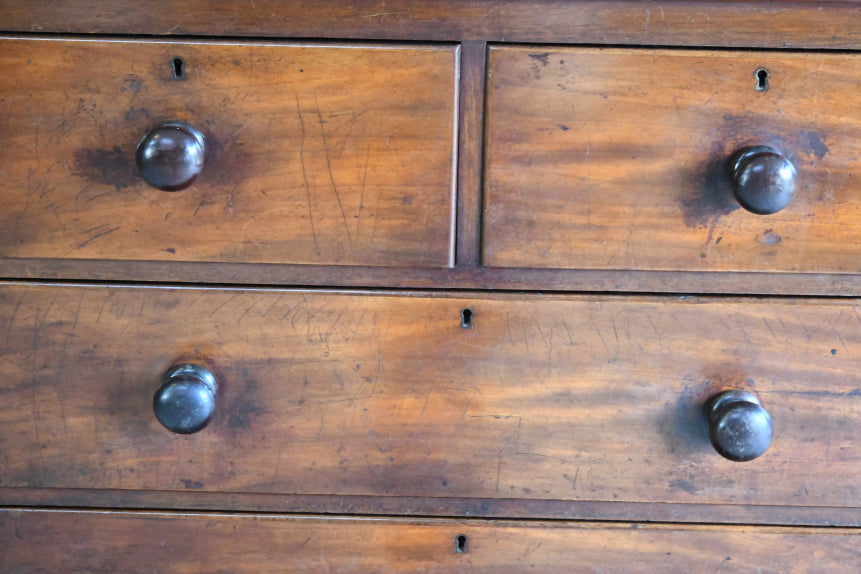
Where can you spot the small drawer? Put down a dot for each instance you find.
(485, 397)
(642, 160)
(83, 541)
(310, 154)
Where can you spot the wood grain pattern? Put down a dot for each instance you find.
(186, 543)
(316, 154)
(546, 398)
(740, 23)
(616, 159)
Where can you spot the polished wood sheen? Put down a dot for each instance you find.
(618, 159)
(186, 543)
(448, 286)
(315, 154)
(543, 398)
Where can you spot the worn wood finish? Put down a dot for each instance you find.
(740, 23)
(147, 542)
(547, 398)
(616, 159)
(315, 154)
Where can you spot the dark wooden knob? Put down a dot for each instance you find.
(763, 179)
(739, 428)
(186, 400)
(170, 156)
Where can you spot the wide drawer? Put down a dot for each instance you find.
(313, 154)
(326, 393)
(620, 159)
(147, 542)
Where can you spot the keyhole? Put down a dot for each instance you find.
(178, 66)
(762, 76)
(460, 543)
(466, 318)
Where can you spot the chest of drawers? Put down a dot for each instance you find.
(430, 286)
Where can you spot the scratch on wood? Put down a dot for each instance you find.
(12, 318)
(770, 330)
(836, 334)
(804, 327)
(744, 333)
(217, 309)
(498, 471)
(97, 236)
(615, 334)
(202, 204)
(427, 400)
(248, 310)
(565, 326)
(362, 194)
(40, 322)
(331, 175)
(305, 175)
(301, 546)
(598, 331)
(379, 14)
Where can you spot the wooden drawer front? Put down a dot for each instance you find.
(548, 398)
(148, 542)
(618, 159)
(314, 154)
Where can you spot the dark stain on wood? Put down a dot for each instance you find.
(244, 408)
(226, 161)
(769, 237)
(685, 429)
(112, 167)
(709, 197)
(136, 114)
(685, 485)
(541, 58)
(813, 143)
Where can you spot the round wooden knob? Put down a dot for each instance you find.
(763, 179)
(170, 156)
(186, 400)
(739, 428)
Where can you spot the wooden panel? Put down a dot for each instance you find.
(471, 148)
(315, 154)
(565, 398)
(616, 159)
(463, 277)
(750, 23)
(431, 506)
(147, 542)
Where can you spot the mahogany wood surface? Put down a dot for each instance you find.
(470, 153)
(361, 152)
(544, 397)
(190, 543)
(430, 506)
(455, 278)
(617, 159)
(315, 154)
(830, 24)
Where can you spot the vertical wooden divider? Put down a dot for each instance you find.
(470, 154)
